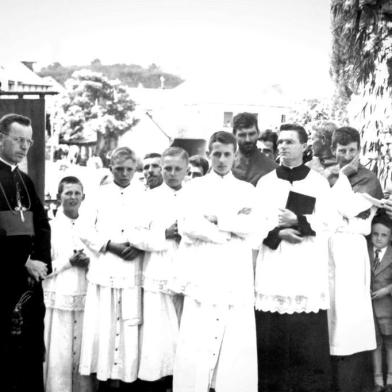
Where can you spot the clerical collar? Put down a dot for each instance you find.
(13, 167)
(226, 176)
(297, 173)
(170, 188)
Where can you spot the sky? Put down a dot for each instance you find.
(260, 42)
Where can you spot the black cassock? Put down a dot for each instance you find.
(24, 232)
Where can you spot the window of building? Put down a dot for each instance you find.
(227, 119)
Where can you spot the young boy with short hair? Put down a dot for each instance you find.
(65, 291)
(380, 253)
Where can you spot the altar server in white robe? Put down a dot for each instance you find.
(217, 341)
(159, 238)
(351, 323)
(65, 291)
(110, 343)
(292, 295)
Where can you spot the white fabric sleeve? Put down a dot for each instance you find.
(325, 217)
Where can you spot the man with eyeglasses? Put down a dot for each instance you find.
(25, 260)
(250, 163)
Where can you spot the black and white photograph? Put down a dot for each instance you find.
(196, 195)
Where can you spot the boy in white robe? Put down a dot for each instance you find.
(110, 343)
(159, 238)
(217, 341)
(64, 293)
(351, 325)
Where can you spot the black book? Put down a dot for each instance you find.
(300, 204)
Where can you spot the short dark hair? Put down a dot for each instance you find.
(302, 134)
(176, 152)
(68, 180)
(269, 136)
(344, 136)
(199, 161)
(8, 119)
(383, 219)
(224, 138)
(152, 155)
(244, 121)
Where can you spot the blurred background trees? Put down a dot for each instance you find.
(129, 74)
(361, 67)
(93, 110)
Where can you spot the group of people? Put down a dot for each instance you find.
(235, 273)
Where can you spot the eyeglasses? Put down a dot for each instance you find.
(20, 140)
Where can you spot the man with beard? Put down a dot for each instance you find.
(250, 163)
(25, 257)
(152, 170)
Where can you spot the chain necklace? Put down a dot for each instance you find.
(19, 208)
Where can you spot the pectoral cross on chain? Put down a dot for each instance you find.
(19, 208)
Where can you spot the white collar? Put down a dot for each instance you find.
(171, 189)
(227, 177)
(381, 254)
(12, 166)
(119, 188)
(60, 216)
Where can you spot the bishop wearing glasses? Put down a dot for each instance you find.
(25, 261)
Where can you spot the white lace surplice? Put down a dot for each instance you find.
(294, 277)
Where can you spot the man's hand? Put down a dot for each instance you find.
(381, 293)
(38, 270)
(290, 235)
(351, 167)
(171, 233)
(130, 253)
(79, 259)
(287, 218)
(117, 248)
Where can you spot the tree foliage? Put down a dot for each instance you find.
(93, 109)
(361, 48)
(310, 112)
(129, 74)
(361, 66)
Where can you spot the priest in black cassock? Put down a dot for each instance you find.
(25, 261)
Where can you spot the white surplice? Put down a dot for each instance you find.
(294, 277)
(64, 293)
(351, 323)
(217, 340)
(110, 346)
(159, 331)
